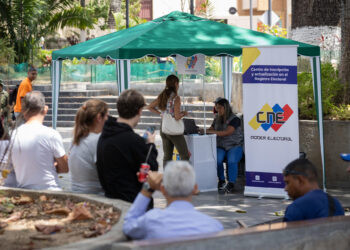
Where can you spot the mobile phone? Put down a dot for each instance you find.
(151, 130)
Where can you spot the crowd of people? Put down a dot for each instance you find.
(106, 155)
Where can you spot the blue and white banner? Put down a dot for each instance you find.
(270, 107)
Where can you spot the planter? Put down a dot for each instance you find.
(100, 242)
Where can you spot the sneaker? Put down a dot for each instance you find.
(229, 187)
(221, 186)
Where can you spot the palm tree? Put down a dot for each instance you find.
(24, 22)
(114, 7)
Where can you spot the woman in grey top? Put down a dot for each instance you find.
(168, 101)
(89, 122)
(229, 138)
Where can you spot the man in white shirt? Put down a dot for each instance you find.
(37, 151)
(179, 218)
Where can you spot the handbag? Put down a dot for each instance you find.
(170, 126)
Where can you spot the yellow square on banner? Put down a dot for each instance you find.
(176, 156)
(249, 57)
(254, 124)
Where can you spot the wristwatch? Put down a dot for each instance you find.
(147, 187)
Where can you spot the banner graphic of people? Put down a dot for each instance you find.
(270, 107)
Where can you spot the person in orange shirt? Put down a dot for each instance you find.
(24, 88)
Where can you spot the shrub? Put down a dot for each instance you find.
(331, 95)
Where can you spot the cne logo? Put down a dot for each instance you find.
(269, 117)
(191, 62)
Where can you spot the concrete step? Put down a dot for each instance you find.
(144, 119)
(192, 112)
(78, 93)
(112, 106)
(70, 124)
(107, 99)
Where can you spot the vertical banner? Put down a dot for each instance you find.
(192, 65)
(271, 125)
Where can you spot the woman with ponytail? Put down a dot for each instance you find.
(89, 122)
(168, 101)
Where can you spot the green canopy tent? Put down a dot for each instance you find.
(183, 34)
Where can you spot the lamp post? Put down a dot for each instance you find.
(191, 7)
(251, 14)
(269, 13)
(127, 13)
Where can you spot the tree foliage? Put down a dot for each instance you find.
(331, 95)
(24, 22)
(134, 11)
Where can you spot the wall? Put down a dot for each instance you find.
(336, 141)
(327, 37)
(161, 7)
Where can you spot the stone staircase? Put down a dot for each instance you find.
(70, 101)
(72, 96)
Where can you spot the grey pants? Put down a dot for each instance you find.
(169, 141)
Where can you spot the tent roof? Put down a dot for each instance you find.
(177, 33)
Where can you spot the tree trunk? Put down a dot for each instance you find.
(315, 13)
(115, 6)
(344, 67)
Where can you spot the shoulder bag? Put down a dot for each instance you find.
(171, 126)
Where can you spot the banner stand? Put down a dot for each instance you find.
(271, 124)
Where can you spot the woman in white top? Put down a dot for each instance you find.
(89, 122)
(168, 101)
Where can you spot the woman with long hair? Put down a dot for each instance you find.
(229, 137)
(89, 122)
(168, 101)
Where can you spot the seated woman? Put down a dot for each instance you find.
(228, 130)
(89, 122)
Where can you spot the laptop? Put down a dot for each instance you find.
(190, 126)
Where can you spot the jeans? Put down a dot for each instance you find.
(233, 156)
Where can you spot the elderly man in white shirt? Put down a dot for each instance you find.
(179, 218)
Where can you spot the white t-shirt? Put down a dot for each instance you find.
(34, 148)
(82, 166)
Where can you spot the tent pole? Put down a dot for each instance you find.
(123, 74)
(118, 76)
(226, 68)
(55, 79)
(183, 93)
(316, 76)
(205, 119)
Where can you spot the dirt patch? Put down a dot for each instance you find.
(28, 222)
